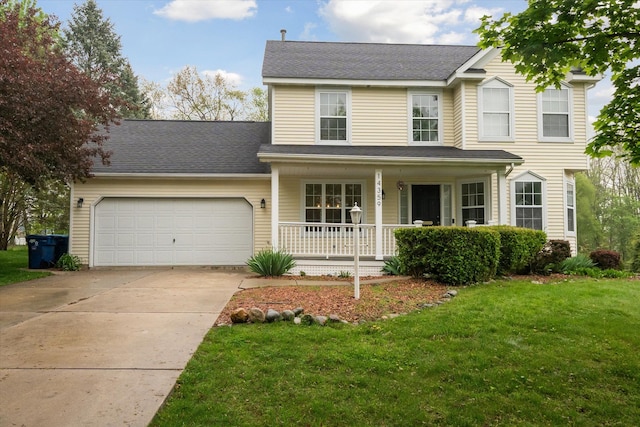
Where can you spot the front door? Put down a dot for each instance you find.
(425, 204)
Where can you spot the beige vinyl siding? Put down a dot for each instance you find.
(457, 116)
(448, 128)
(470, 115)
(379, 116)
(254, 190)
(293, 115)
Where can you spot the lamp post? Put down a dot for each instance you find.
(356, 215)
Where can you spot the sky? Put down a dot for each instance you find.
(159, 37)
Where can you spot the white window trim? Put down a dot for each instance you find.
(410, 94)
(569, 181)
(320, 90)
(529, 176)
(498, 83)
(487, 197)
(541, 137)
(323, 182)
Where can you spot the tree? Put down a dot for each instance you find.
(590, 233)
(92, 42)
(53, 118)
(258, 108)
(552, 37)
(195, 96)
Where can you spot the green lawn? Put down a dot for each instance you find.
(510, 353)
(13, 265)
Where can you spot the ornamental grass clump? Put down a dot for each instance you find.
(271, 263)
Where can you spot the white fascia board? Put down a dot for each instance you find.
(387, 160)
(372, 83)
(182, 175)
(479, 60)
(583, 78)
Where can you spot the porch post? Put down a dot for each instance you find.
(275, 206)
(378, 214)
(502, 197)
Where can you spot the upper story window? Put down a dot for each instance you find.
(333, 115)
(425, 117)
(554, 115)
(495, 100)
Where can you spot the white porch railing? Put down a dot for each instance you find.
(334, 240)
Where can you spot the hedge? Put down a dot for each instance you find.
(518, 248)
(451, 255)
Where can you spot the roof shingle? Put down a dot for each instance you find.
(362, 61)
(185, 147)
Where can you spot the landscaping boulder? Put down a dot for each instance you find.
(239, 315)
(273, 316)
(334, 318)
(256, 315)
(307, 319)
(321, 320)
(288, 315)
(298, 311)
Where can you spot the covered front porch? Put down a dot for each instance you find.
(313, 188)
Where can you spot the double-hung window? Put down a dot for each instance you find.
(333, 115)
(528, 201)
(331, 202)
(555, 122)
(425, 114)
(570, 207)
(495, 99)
(473, 202)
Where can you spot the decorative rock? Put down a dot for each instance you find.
(321, 320)
(239, 315)
(393, 315)
(297, 320)
(273, 316)
(452, 292)
(536, 282)
(307, 319)
(384, 317)
(288, 315)
(334, 318)
(298, 311)
(256, 315)
(427, 305)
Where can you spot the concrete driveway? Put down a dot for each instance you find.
(102, 347)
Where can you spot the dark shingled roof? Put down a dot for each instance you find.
(362, 61)
(414, 151)
(186, 147)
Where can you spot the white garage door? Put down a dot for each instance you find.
(146, 231)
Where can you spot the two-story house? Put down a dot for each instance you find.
(414, 134)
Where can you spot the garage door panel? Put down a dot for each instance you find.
(147, 231)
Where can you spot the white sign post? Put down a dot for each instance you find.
(356, 215)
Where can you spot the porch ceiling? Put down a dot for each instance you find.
(367, 171)
(440, 159)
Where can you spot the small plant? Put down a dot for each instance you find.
(393, 267)
(271, 263)
(302, 273)
(68, 262)
(576, 264)
(344, 274)
(549, 259)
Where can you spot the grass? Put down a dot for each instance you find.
(510, 353)
(13, 264)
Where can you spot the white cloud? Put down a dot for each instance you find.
(202, 10)
(233, 78)
(307, 34)
(473, 14)
(288, 9)
(401, 21)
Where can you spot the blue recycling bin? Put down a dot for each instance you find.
(61, 242)
(42, 251)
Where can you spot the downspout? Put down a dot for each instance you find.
(506, 174)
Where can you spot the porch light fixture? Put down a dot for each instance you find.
(356, 216)
(400, 185)
(384, 196)
(80, 202)
(263, 204)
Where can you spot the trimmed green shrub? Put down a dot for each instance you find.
(548, 260)
(606, 260)
(518, 247)
(451, 255)
(68, 262)
(393, 267)
(271, 263)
